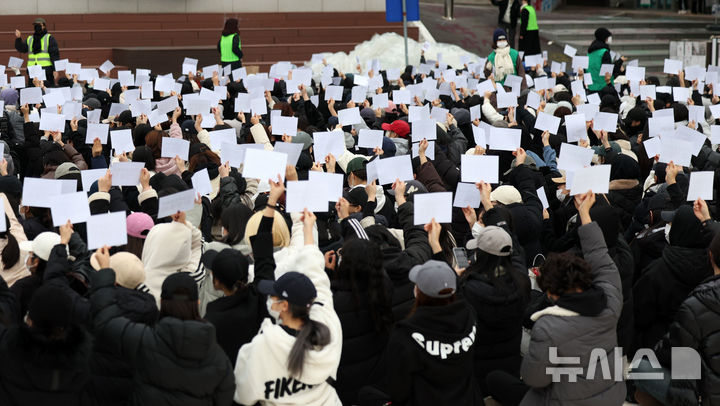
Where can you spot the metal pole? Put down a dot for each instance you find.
(404, 12)
(449, 9)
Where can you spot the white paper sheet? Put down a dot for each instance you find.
(476, 168)
(97, 131)
(126, 173)
(89, 176)
(390, 169)
(546, 122)
(672, 66)
(429, 206)
(121, 141)
(176, 202)
(575, 127)
(301, 195)
(175, 146)
(264, 165)
(107, 229)
(595, 178)
(370, 138)
(284, 125)
(201, 182)
(504, 139)
(293, 151)
(31, 95)
(573, 157)
(423, 129)
(324, 143)
(429, 152)
(328, 185)
(70, 206)
(219, 137)
(467, 194)
(701, 185)
(605, 121)
(334, 92)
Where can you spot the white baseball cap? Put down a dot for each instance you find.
(41, 245)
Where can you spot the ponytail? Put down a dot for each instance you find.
(312, 334)
(11, 253)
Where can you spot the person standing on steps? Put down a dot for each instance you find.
(509, 11)
(42, 49)
(529, 40)
(229, 45)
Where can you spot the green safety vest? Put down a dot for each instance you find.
(43, 57)
(532, 18)
(226, 53)
(595, 61)
(513, 55)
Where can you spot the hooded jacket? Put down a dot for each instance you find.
(429, 358)
(696, 325)
(666, 282)
(112, 376)
(261, 370)
(575, 333)
(175, 362)
(36, 371)
(169, 248)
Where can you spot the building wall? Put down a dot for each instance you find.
(49, 7)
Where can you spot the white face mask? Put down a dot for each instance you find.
(560, 195)
(502, 44)
(609, 40)
(273, 313)
(667, 232)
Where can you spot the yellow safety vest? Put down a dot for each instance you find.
(43, 57)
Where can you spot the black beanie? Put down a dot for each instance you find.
(50, 307)
(602, 34)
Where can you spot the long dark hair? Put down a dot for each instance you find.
(498, 272)
(231, 26)
(180, 309)
(361, 268)
(11, 253)
(312, 334)
(234, 219)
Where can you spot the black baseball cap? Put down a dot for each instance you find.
(294, 287)
(179, 286)
(356, 196)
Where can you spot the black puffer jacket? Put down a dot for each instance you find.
(175, 362)
(696, 325)
(666, 282)
(363, 344)
(499, 306)
(112, 380)
(35, 371)
(397, 262)
(527, 216)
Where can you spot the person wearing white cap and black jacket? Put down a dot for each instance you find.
(429, 357)
(294, 361)
(37, 253)
(497, 286)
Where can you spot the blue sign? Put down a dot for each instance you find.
(393, 10)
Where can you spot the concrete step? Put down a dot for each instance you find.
(620, 23)
(628, 34)
(619, 45)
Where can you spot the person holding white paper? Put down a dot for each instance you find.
(599, 54)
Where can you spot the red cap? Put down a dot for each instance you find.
(399, 127)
